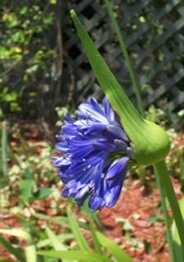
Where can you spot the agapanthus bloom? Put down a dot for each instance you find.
(94, 155)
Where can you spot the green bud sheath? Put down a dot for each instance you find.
(150, 141)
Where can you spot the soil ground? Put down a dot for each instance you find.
(135, 223)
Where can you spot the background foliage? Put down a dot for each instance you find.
(152, 32)
(42, 65)
(28, 59)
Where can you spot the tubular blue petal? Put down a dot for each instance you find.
(95, 128)
(113, 191)
(69, 119)
(70, 130)
(117, 132)
(89, 111)
(62, 147)
(117, 167)
(60, 161)
(121, 145)
(108, 111)
(82, 194)
(96, 203)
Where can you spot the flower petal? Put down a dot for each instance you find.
(113, 191)
(108, 111)
(60, 161)
(117, 167)
(96, 202)
(117, 132)
(92, 110)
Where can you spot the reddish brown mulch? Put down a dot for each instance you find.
(138, 206)
(8, 221)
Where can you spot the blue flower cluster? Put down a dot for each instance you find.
(94, 154)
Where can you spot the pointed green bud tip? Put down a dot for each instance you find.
(72, 12)
(150, 143)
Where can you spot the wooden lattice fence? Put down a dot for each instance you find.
(153, 33)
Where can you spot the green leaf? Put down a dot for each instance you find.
(96, 241)
(42, 193)
(30, 252)
(4, 182)
(26, 186)
(4, 148)
(12, 21)
(54, 240)
(114, 249)
(77, 232)
(17, 232)
(60, 220)
(74, 255)
(150, 142)
(62, 238)
(93, 233)
(17, 252)
(23, 10)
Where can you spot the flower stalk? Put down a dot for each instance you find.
(165, 179)
(163, 199)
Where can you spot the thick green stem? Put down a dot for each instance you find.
(124, 50)
(166, 183)
(165, 213)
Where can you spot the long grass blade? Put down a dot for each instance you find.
(4, 147)
(93, 233)
(114, 249)
(77, 232)
(30, 252)
(96, 242)
(17, 252)
(71, 255)
(54, 240)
